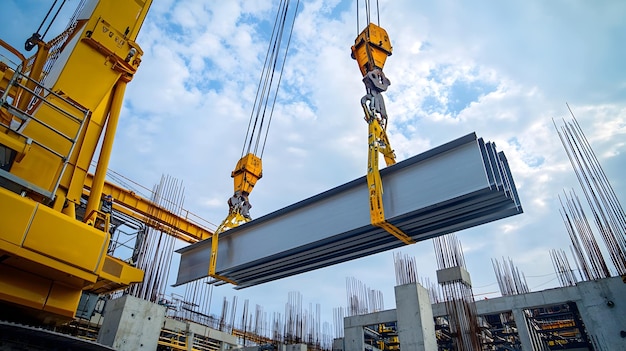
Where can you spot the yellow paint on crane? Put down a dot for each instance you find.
(248, 170)
(371, 48)
(48, 256)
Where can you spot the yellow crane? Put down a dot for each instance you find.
(54, 109)
(371, 49)
(50, 128)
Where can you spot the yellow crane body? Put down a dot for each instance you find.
(51, 122)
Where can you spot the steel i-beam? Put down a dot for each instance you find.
(458, 185)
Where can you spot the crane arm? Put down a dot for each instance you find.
(152, 214)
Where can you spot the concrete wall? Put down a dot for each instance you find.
(414, 317)
(353, 334)
(602, 307)
(601, 304)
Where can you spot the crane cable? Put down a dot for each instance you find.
(32, 41)
(267, 89)
(368, 7)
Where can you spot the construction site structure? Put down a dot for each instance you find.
(569, 318)
(57, 242)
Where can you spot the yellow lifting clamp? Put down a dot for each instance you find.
(370, 50)
(378, 142)
(248, 170)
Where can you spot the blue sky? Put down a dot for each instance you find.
(501, 69)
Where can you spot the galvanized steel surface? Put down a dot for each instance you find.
(455, 186)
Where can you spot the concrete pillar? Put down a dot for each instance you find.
(354, 338)
(189, 340)
(131, 323)
(338, 344)
(522, 329)
(224, 346)
(416, 326)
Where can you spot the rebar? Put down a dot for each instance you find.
(510, 280)
(405, 267)
(361, 299)
(565, 273)
(608, 214)
(154, 249)
(458, 295)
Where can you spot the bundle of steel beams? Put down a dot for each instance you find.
(458, 185)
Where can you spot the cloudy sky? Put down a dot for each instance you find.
(501, 69)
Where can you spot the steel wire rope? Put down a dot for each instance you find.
(261, 81)
(280, 78)
(47, 14)
(266, 85)
(275, 53)
(53, 18)
(51, 21)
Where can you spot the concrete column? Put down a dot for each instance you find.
(602, 308)
(416, 326)
(338, 344)
(354, 338)
(131, 324)
(189, 340)
(522, 329)
(224, 346)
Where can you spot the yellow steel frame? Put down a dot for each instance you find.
(234, 219)
(247, 172)
(155, 216)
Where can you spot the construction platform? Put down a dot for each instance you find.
(458, 185)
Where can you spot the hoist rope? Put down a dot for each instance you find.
(368, 7)
(52, 20)
(280, 78)
(267, 85)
